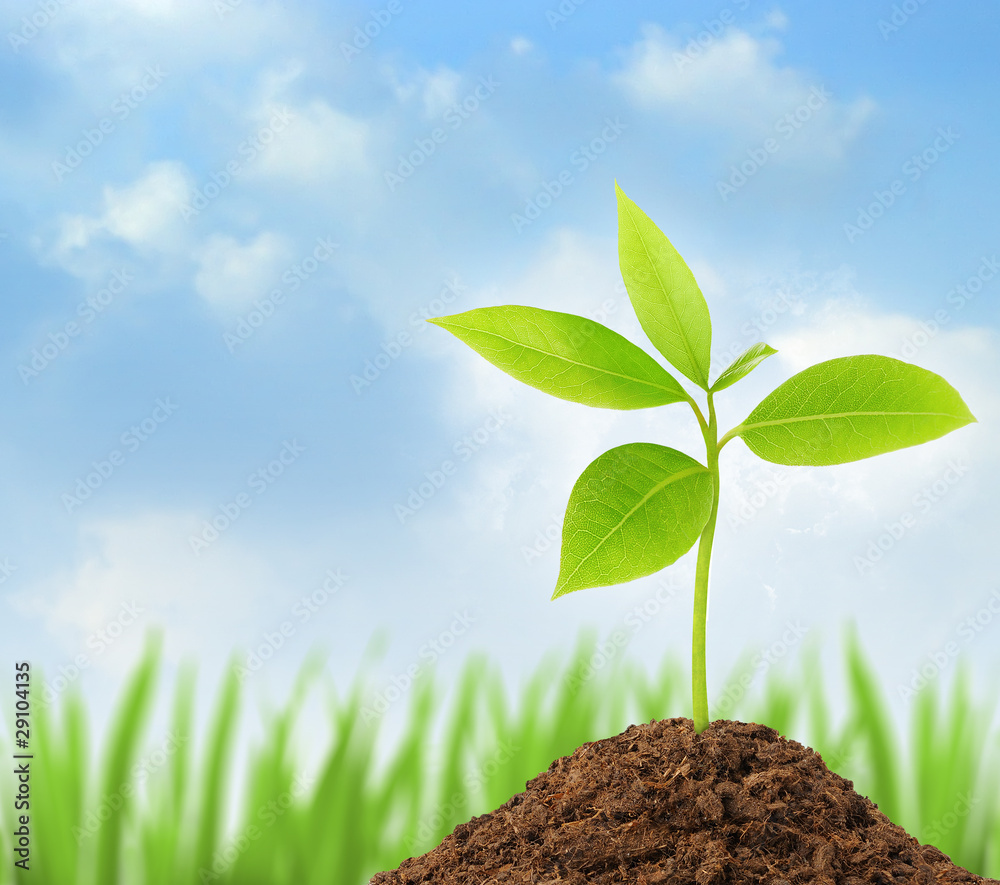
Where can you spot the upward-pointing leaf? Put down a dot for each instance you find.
(743, 365)
(664, 293)
(634, 510)
(851, 408)
(565, 355)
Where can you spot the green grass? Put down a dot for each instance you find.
(150, 809)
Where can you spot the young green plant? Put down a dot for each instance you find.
(639, 507)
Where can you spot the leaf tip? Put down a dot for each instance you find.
(441, 321)
(563, 586)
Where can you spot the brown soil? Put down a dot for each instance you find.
(658, 804)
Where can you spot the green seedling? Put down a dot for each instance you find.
(639, 507)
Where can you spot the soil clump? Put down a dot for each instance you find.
(660, 805)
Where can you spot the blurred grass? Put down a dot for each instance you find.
(154, 819)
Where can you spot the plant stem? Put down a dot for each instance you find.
(701, 418)
(699, 674)
(731, 435)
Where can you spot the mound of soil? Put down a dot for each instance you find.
(659, 804)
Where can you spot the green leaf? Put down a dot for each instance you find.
(851, 408)
(634, 510)
(566, 355)
(743, 365)
(664, 293)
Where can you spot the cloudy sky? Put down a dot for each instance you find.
(222, 226)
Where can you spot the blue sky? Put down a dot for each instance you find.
(214, 221)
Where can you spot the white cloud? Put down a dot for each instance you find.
(231, 275)
(440, 91)
(521, 45)
(776, 20)
(144, 214)
(437, 91)
(141, 572)
(228, 274)
(310, 142)
(322, 143)
(154, 9)
(106, 43)
(735, 83)
(840, 328)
